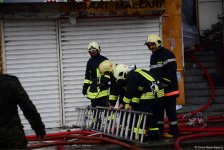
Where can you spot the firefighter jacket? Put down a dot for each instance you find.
(140, 80)
(12, 94)
(117, 92)
(163, 64)
(94, 83)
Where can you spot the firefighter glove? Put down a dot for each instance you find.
(104, 81)
(121, 106)
(84, 89)
(126, 106)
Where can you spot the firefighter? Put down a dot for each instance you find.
(117, 91)
(163, 64)
(106, 68)
(95, 84)
(137, 79)
(12, 95)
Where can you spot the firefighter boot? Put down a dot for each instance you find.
(173, 132)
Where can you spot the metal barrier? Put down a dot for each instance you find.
(122, 124)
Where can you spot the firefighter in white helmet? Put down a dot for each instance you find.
(117, 91)
(148, 86)
(93, 86)
(163, 64)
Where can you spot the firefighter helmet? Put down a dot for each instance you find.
(153, 38)
(94, 46)
(106, 67)
(120, 72)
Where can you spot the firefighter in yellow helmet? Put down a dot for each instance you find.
(163, 64)
(117, 91)
(94, 83)
(106, 67)
(148, 86)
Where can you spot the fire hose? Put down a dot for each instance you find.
(183, 138)
(219, 131)
(58, 137)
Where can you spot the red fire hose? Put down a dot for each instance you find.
(219, 131)
(192, 136)
(88, 140)
(82, 132)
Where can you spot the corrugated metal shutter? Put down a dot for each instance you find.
(121, 40)
(31, 54)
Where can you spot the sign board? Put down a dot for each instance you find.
(114, 8)
(85, 9)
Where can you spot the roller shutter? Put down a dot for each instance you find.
(31, 54)
(121, 40)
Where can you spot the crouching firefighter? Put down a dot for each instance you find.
(117, 91)
(137, 80)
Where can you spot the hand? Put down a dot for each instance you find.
(111, 107)
(104, 81)
(41, 134)
(120, 106)
(84, 91)
(127, 107)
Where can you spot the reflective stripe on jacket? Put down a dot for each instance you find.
(93, 77)
(140, 80)
(163, 64)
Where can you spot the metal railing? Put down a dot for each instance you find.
(122, 124)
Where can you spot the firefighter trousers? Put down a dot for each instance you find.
(168, 104)
(150, 106)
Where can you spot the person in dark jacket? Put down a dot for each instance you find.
(12, 95)
(163, 64)
(95, 85)
(147, 86)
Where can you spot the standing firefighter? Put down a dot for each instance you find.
(140, 80)
(12, 94)
(163, 64)
(95, 84)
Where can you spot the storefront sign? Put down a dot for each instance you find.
(114, 8)
(83, 9)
